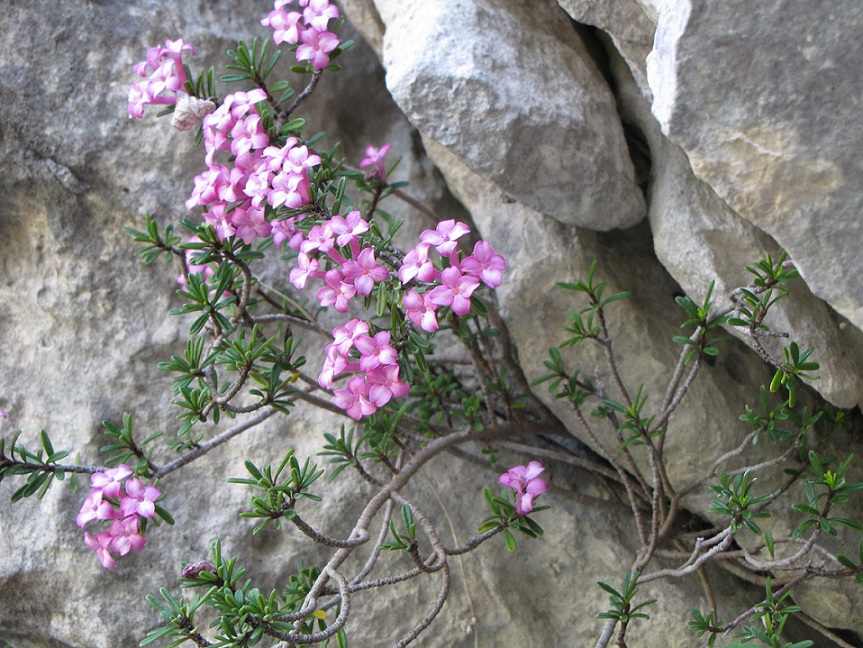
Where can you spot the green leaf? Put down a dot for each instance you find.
(46, 443)
(846, 562)
(509, 540)
(162, 513)
(777, 381)
(768, 541)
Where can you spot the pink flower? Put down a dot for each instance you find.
(336, 293)
(234, 107)
(385, 384)
(416, 264)
(375, 159)
(139, 500)
(320, 238)
(484, 264)
(284, 25)
(444, 236)
(344, 336)
(101, 545)
(209, 186)
(95, 508)
(290, 190)
(316, 47)
(318, 13)
(334, 364)
(421, 310)
(218, 218)
(364, 271)
(250, 223)
(348, 228)
(455, 291)
(125, 536)
(295, 159)
(276, 157)
(110, 481)
(168, 75)
(248, 134)
(375, 351)
(527, 484)
(306, 267)
(354, 400)
(259, 184)
(3, 415)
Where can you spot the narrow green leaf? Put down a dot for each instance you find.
(509, 540)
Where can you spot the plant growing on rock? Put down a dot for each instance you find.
(273, 195)
(270, 191)
(624, 431)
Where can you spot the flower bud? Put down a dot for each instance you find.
(190, 111)
(193, 570)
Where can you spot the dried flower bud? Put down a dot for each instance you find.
(201, 107)
(190, 111)
(193, 570)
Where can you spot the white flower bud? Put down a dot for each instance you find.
(190, 111)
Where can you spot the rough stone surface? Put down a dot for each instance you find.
(548, 134)
(629, 23)
(768, 114)
(535, 156)
(699, 239)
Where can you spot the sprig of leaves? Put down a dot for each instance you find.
(40, 466)
(622, 609)
(504, 514)
(737, 501)
(280, 493)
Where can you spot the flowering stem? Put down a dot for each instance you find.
(46, 467)
(475, 541)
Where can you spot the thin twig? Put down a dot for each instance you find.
(216, 441)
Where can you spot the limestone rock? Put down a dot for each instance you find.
(768, 114)
(513, 92)
(629, 23)
(527, 135)
(699, 239)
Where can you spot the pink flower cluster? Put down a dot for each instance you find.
(452, 286)
(163, 74)
(326, 245)
(358, 273)
(235, 197)
(124, 504)
(526, 482)
(333, 251)
(307, 30)
(377, 380)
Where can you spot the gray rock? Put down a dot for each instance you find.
(699, 239)
(533, 113)
(768, 115)
(629, 23)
